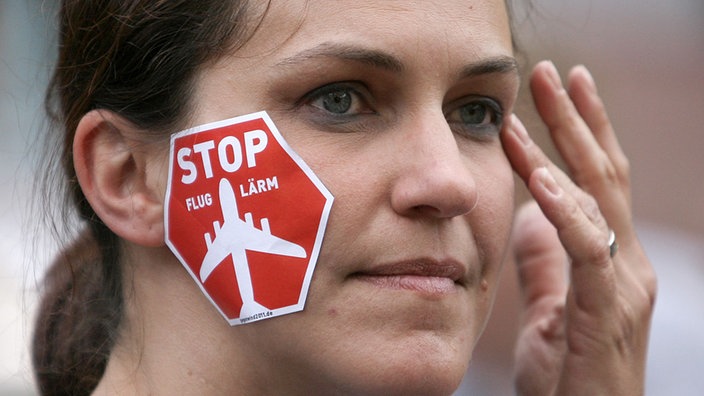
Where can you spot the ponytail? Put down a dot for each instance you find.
(77, 320)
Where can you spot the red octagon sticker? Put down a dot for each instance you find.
(245, 216)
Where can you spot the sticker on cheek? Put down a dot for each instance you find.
(245, 216)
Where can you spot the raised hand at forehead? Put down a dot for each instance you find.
(588, 335)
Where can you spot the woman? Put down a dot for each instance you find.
(412, 132)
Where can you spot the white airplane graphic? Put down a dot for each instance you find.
(234, 238)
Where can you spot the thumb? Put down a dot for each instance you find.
(541, 264)
(540, 258)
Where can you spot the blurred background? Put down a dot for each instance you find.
(647, 57)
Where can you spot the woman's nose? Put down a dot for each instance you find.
(434, 177)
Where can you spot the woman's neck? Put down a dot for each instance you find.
(171, 340)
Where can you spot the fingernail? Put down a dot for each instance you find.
(590, 79)
(548, 181)
(520, 130)
(554, 76)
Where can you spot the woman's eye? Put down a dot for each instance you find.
(480, 117)
(339, 100)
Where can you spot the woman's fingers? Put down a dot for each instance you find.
(526, 157)
(584, 95)
(585, 138)
(583, 135)
(585, 241)
(610, 299)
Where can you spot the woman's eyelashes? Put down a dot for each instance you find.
(477, 117)
(339, 101)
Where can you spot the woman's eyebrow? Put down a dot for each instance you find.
(498, 64)
(364, 55)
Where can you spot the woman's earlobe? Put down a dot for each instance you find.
(111, 168)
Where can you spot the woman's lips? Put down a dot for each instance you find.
(424, 284)
(424, 275)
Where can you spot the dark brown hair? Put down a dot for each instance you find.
(137, 58)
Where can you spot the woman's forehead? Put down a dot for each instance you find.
(409, 29)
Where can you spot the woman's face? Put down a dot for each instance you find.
(397, 106)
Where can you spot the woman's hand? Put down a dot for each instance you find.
(585, 330)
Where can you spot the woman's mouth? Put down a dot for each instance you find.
(427, 276)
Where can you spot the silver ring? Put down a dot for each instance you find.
(613, 245)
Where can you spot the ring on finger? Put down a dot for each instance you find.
(613, 245)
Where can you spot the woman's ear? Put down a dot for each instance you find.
(111, 167)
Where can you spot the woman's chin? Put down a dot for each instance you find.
(413, 379)
(426, 367)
